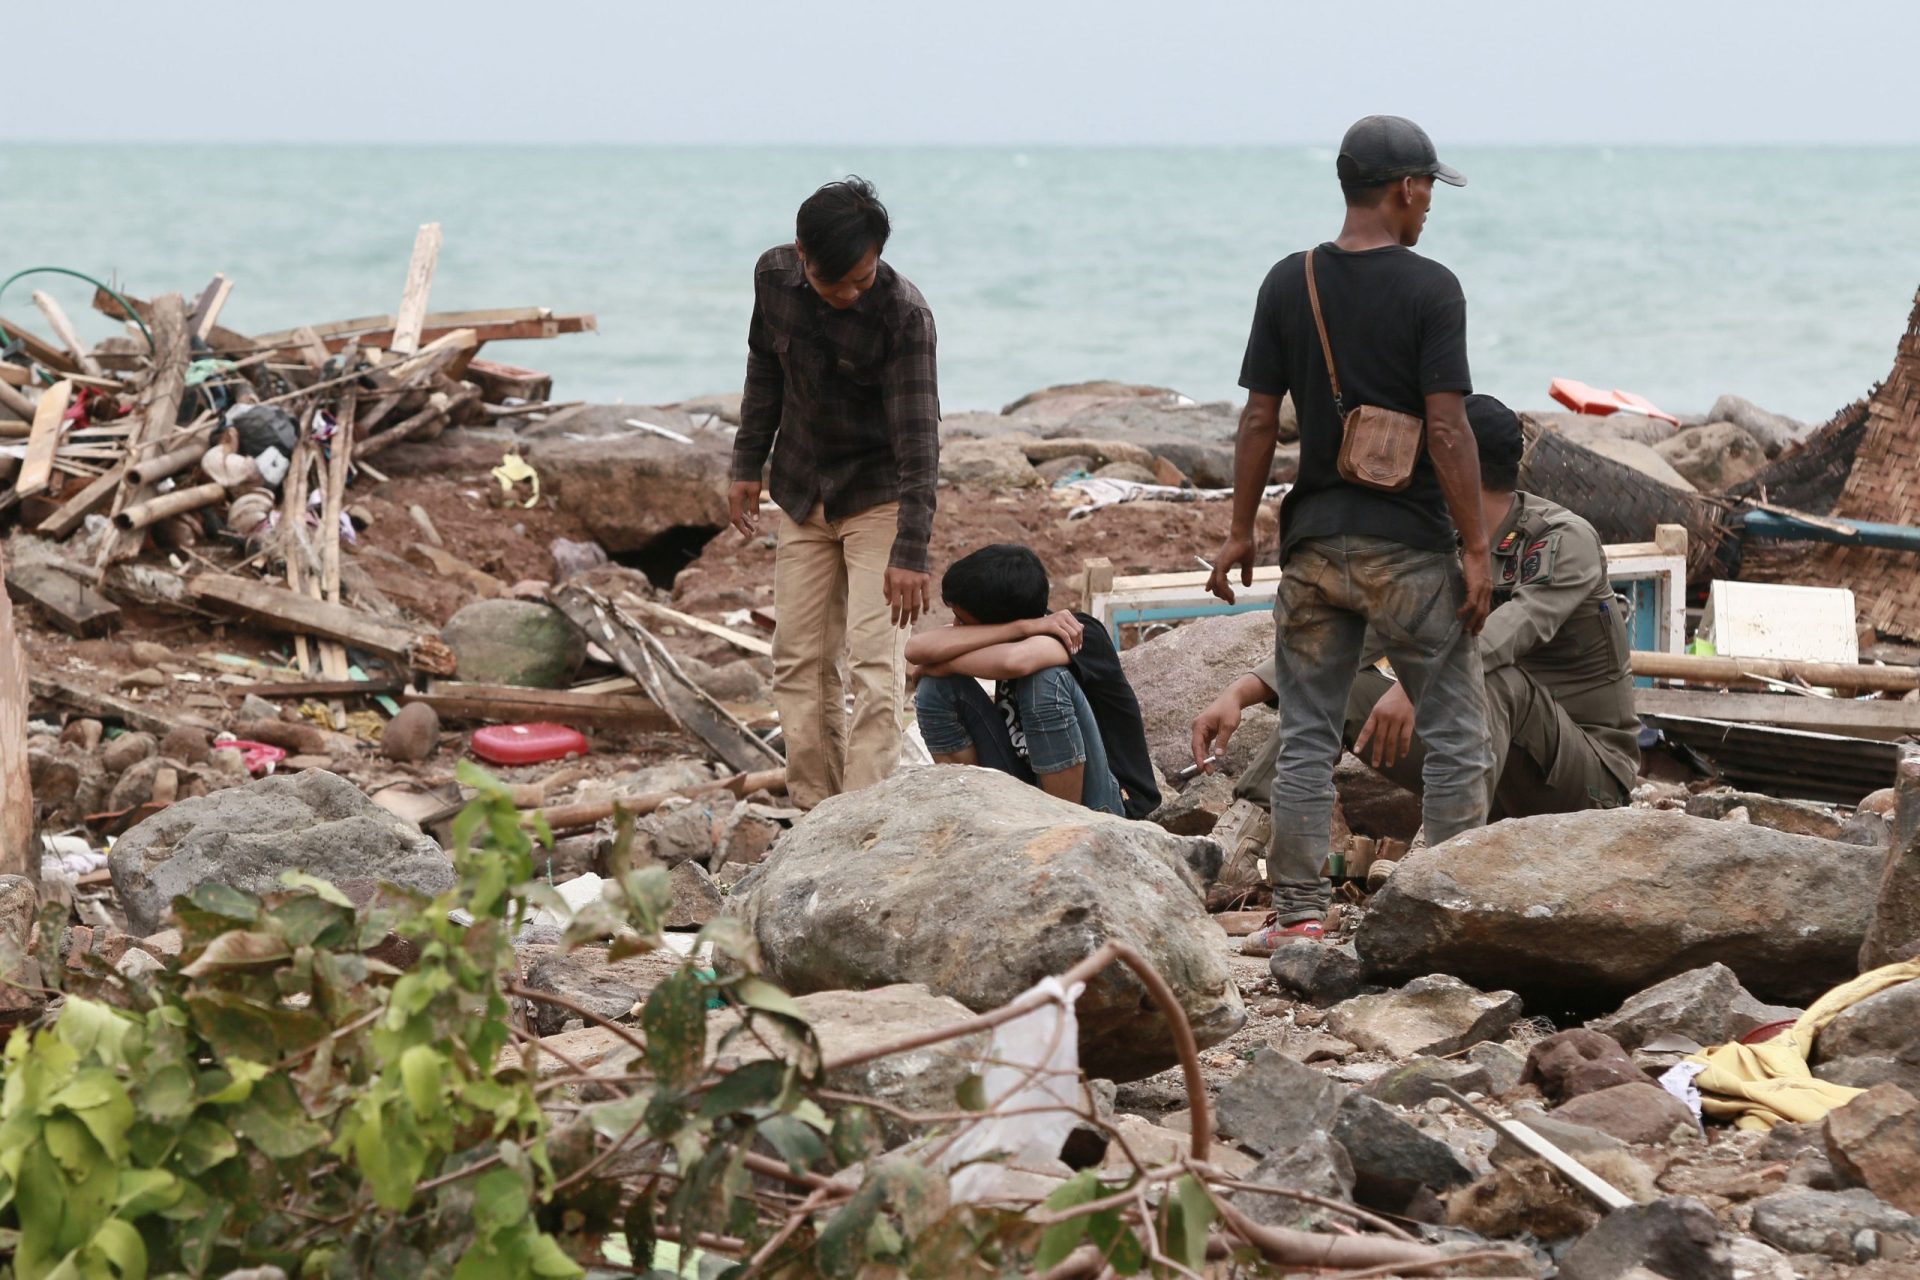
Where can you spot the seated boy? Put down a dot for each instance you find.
(1062, 715)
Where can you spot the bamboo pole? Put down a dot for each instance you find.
(153, 510)
(1855, 677)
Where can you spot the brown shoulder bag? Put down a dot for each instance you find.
(1379, 448)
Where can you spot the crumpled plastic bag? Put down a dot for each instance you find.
(1047, 1038)
(512, 470)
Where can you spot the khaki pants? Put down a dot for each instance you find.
(829, 599)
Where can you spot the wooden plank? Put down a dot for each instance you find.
(105, 706)
(63, 329)
(36, 470)
(201, 322)
(219, 338)
(313, 351)
(39, 350)
(160, 411)
(19, 855)
(499, 324)
(320, 688)
(1850, 676)
(412, 316)
(660, 612)
(501, 703)
(300, 614)
(68, 603)
(641, 655)
(1844, 716)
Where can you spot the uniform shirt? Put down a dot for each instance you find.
(846, 402)
(1398, 326)
(1555, 617)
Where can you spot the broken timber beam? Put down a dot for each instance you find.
(1855, 677)
(502, 703)
(300, 614)
(105, 706)
(63, 329)
(641, 655)
(218, 338)
(19, 854)
(412, 316)
(502, 324)
(36, 470)
(67, 602)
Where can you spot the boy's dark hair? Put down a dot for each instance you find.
(838, 224)
(1004, 582)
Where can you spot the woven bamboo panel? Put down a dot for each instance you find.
(1622, 504)
(1884, 485)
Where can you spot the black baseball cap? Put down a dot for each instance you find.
(1496, 430)
(1387, 148)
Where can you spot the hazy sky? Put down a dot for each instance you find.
(975, 71)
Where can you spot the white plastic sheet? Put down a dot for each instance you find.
(1033, 1064)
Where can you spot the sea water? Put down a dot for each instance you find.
(1784, 275)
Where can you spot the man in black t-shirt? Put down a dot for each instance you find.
(1354, 556)
(1062, 716)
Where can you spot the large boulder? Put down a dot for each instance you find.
(1586, 906)
(1642, 458)
(990, 464)
(1774, 431)
(1708, 1005)
(520, 642)
(247, 837)
(1585, 428)
(1715, 457)
(1197, 438)
(978, 885)
(631, 488)
(1179, 672)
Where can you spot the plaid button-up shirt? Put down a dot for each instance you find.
(847, 402)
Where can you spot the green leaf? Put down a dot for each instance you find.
(88, 1027)
(757, 1084)
(546, 1258)
(274, 1120)
(422, 1070)
(1062, 1238)
(169, 1094)
(325, 889)
(242, 1076)
(758, 993)
(797, 1144)
(144, 1191)
(98, 1101)
(499, 1200)
(1122, 1249)
(918, 1193)
(638, 1230)
(855, 1136)
(729, 937)
(1190, 1215)
(218, 899)
(675, 1020)
(205, 1143)
(122, 1247)
(307, 921)
(972, 1093)
(841, 1250)
(238, 949)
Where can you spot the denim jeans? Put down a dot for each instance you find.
(955, 713)
(1331, 589)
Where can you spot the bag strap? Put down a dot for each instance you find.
(1326, 347)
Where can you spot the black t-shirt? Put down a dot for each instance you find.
(1116, 712)
(1398, 325)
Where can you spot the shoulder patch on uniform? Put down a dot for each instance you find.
(1538, 561)
(1508, 543)
(1509, 570)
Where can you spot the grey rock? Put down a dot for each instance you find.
(1714, 457)
(1584, 428)
(1877, 1041)
(1316, 970)
(571, 557)
(1374, 804)
(1176, 674)
(631, 488)
(1773, 431)
(1501, 1061)
(1641, 458)
(1637, 1113)
(1316, 1165)
(989, 464)
(1130, 471)
(247, 836)
(1675, 1237)
(696, 899)
(1574, 1139)
(862, 892)
(1868, 830)
(1054, 470)
(135, 786)
(255, 707)
(1276, 1104)
(1437, 1014)
(1198, 439)
(1570, 1063)
(1196, 810)
(847, 1022)
(1826, 1222)
(1392, 1160)
(1707, 1005)
(1412, 1083)
(515, 642)
(685, 832)
(1607, 901)
(578, 979)
(413, 735)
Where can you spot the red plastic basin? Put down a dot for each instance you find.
(527, 743)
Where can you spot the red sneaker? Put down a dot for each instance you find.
(1267, 939)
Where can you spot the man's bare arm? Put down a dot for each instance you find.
(1456, 463)
(1252, 464)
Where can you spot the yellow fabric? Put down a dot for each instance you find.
(1756, 1086)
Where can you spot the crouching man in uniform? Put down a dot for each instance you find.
(1554, 649)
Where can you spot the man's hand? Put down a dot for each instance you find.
(1062, 626)
(1389, 728)
(1235, 553)
(909, 595)
(743, 507)
(1479, 575)
(1213, 727)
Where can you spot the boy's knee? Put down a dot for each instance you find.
(936, 692)
(1045, 697)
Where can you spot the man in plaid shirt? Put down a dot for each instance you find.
(841, 392)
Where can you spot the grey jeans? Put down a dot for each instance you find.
(1331, 590)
